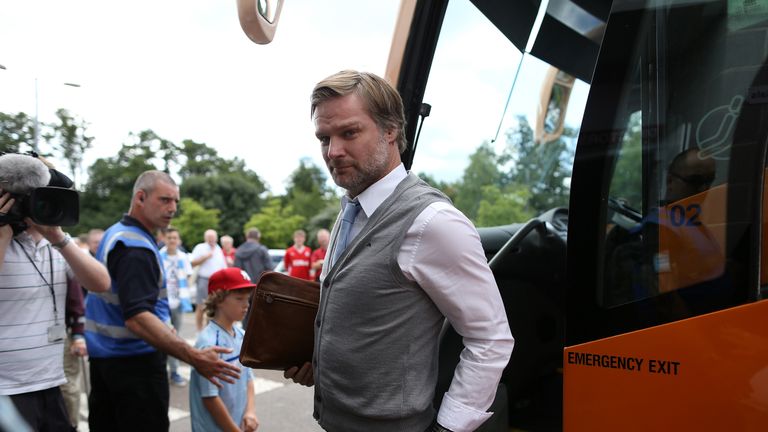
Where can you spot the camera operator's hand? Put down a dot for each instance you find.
(92, 275)
(54, 234)
(6, 232)
(6, 202)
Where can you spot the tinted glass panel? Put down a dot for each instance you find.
(673, 143)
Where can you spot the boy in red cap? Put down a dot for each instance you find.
(229, 406)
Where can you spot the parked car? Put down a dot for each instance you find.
(277, 260)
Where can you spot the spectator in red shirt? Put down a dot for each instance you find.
(228, 247)
(297, 256)
(318, 255)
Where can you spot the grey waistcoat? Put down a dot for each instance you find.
(376, 334)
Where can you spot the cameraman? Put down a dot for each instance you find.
(35, 262)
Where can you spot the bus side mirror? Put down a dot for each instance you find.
(550, 114)
(258, 19)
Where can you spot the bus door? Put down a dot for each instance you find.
(664, 327)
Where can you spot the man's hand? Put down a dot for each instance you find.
(54, 234)
(303, 376)
(250, 422)
(6, 232)
(208, 364)
(78, 348)
(6, 203)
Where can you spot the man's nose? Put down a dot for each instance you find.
(335, 148)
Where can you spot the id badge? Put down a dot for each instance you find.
(56, 333)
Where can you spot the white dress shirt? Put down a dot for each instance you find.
(442, 253)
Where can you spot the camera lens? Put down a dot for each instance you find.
(47, 210)
(54, 206)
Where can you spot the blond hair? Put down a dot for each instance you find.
(382, 101)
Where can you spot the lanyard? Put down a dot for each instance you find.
(50, 284)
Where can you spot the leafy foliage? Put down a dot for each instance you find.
(107, 194)
(193, 220)
(307, 190)
(501, 207)
(69, 139)
(626, 183)
(276, 223)
(483, 170)
(523, 180)
(17, 132)
(236, 195)
(543, 168)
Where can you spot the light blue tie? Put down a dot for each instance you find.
(347, 219)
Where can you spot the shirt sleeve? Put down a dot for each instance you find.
(187, 263)
(74, 308)
(207, 388)
(197, 252)
(462, 286)
(266, 260)
(136, 272)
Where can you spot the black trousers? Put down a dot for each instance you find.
(43, 410)
(129, 394)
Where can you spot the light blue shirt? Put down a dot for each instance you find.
(234, 396)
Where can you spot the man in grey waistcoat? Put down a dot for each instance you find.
(400, 260)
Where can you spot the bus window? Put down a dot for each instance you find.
(764, 238)
(498, 116)
(671, 135)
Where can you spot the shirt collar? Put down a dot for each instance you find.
(371, 198)
(132, 221)
(26, 238)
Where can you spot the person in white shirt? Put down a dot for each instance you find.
(209, 256)
(411, 259)
(35, 263)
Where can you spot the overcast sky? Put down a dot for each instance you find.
(185, 69)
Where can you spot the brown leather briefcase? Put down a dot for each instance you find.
(281, 324)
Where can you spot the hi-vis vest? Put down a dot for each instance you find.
(105, 330)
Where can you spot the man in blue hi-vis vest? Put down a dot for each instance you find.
(127, 328)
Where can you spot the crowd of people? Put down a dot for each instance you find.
(390, 273)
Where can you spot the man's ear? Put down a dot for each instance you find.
(390, 136)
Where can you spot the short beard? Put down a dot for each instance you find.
(371, 171)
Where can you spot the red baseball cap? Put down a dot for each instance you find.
(230, 278)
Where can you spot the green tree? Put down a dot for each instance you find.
(307, 190)
(193, 220)
(627, 180)
(501, 207)
(323, 219)
(450, 189)
(17, 132)
(199, 159)
(69, 139)
(483, 170)
(276, 223)
(166, 151)
(542, 168)
(236, 195)
(107, 194)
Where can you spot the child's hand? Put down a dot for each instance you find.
(250, 422)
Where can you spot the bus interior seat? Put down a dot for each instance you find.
(531, 280)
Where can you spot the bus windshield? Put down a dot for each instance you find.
(477, 104)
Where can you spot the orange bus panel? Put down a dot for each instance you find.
(704, 373)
